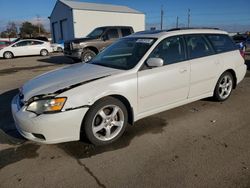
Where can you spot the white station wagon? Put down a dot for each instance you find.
(138, 76)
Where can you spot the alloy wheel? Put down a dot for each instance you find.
(225, 87)
(108, 122)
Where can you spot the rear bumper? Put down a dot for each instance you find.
(55, 128)
(241, 72)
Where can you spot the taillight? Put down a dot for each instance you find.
(242, 53)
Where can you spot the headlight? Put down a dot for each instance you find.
(46, 105)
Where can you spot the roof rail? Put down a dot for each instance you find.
(186, 28)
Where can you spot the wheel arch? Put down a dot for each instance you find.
(234, 77)
(121, 98)
(13, 55)
(44, 49)
(129, 108)
(124, 100)
(92, 48)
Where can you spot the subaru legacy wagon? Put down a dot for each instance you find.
(137, 76)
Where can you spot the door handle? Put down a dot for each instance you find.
(182, 70)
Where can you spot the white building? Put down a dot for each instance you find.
(72, 19)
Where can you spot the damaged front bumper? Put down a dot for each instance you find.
(48, 128)
(75, 54)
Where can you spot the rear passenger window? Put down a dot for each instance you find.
(125, 32)
(37, 43)
(221, 43)
(198, 46)
(171, 50)
(113, 34)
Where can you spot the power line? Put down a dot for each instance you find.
(188, 18)
(177, 22)
(162, 17)
(38, 24)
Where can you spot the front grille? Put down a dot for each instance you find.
(67, 46)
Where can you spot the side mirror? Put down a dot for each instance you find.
(155, 62)
(14, 45)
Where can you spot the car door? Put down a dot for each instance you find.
(166, 85)
(204, 65)
(20, 48)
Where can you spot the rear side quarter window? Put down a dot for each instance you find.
(221, 43)
(125, 31)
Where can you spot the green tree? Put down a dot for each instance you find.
(28, 29)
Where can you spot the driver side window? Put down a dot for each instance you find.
(170, 50)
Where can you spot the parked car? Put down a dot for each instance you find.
(84, 49)
(26, 48)
(45, 39)
(239, 38)
(246, 46)
(4, 43)
(137, 76)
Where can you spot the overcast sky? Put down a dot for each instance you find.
(231, 15)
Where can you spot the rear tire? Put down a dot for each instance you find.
(8, 55)
(87, 55)
(224, 87)
(44, 52)
(105, 121)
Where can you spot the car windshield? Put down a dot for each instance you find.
(96, 33)
(124, 54)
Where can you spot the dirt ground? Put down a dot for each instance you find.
(202, 144)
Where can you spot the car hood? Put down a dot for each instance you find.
(64, 79)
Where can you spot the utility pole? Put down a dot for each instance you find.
(188, 18)
(162, 17)
(38, 23)
(177, 22)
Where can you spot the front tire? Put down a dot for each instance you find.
(105, 121)
(87, 55)
(224, 87)
(8, 55)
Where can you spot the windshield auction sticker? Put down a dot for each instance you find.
(145, 41)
